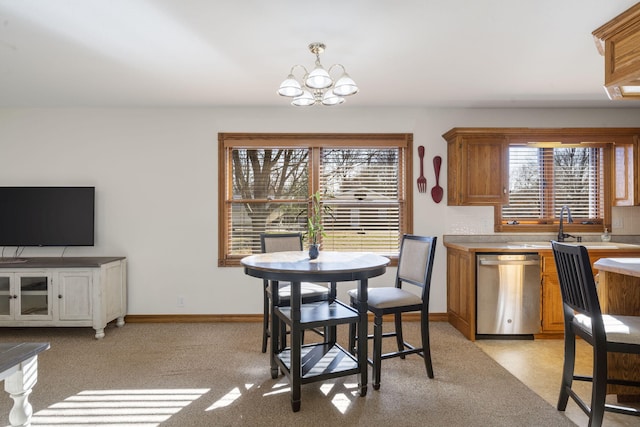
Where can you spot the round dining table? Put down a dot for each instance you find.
(332, 267)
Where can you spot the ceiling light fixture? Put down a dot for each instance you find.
(317, 86)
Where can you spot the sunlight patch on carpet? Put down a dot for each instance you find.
(139, 408)
(229, 398)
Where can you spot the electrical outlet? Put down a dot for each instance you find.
(617, 223)
(180, 302)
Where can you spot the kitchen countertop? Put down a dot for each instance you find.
(537, 246)
(627, 266)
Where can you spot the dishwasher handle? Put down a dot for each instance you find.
(509, 262)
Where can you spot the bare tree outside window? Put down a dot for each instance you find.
(542, 180)
(270, 188)
(576, 172)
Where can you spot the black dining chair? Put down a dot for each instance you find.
(415, 264)
(604, 332)
(311, 292)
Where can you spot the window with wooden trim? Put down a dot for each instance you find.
(544, 177)
(265, 181)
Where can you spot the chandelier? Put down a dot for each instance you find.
(317, 86)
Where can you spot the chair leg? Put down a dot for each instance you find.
(283, 336)
(598, 387)
(265, 321)
(426, 349)
(352, 338)
(377, 351)
(399, 336)
(567, 369)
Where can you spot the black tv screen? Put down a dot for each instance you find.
(47, 216)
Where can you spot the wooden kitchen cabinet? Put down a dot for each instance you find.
(626, 190)
(461, 284)
(619, 294)
(618, 40)
(552, 311)
(477, 172)
(478, 161)
(461, 291)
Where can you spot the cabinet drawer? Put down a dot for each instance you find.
(549, 263)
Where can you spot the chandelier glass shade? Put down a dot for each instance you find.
(317, 86)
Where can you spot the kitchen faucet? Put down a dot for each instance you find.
(561, 234)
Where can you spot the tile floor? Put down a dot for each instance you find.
(538, 364)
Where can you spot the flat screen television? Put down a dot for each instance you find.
(47, 216)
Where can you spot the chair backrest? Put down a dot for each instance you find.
(577, 284)
(415, 262)
(280, 242)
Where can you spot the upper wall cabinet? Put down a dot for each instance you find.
(477, 172)
(478, 161)
(619, 42)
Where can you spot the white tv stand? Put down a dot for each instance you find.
(74, 291)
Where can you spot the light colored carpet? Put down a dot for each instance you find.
(213, 374)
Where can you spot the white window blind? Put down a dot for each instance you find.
(543, 179)
(364, 193)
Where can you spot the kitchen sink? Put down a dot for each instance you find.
(535, 245)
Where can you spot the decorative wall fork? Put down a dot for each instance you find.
(422, 181)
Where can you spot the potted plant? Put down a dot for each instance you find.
(315, 229)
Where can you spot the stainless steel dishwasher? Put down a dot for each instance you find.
(508, 294)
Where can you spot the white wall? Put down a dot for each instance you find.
(155, 173)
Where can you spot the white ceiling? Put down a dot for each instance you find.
(212, 53)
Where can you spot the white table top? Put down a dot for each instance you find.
(628, 266)
(328, 267)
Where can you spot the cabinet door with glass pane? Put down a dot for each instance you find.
(6, 296)
(33, 293)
